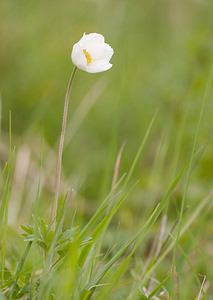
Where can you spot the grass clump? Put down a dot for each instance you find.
(68, 262)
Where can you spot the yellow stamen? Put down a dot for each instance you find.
(88, 57)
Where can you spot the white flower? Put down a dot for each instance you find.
(92, 54)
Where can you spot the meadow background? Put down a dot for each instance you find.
(162, 55)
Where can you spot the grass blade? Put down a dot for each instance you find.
(4, 209)
(140, 148)
(99, 212)
(203, 105)
(206, 203)
(100, 228)
(158, 287)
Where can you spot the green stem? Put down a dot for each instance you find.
(6, 193)
(60, 152)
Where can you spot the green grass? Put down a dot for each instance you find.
(72, 257)
(147, 234)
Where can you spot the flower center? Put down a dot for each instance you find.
(88, 57)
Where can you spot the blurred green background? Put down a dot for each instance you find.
(162, 55)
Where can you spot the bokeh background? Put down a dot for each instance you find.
(162, 55)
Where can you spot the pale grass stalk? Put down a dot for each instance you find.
(60, 152)
(205, 285)
(153, 247)
(150, 254)
(117, 165)
(159, 246)
(16, 202)
(162, 231)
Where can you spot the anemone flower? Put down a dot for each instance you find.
(92, 54)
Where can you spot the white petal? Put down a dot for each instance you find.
(78, 57)
(82, 40)
(99, 66)
(97, 49)
(100, 51)
(92, 38)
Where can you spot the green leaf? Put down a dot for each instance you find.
(158, 287)
(28, 229)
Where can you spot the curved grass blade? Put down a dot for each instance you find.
(99, 212)
(99, 229)
(158, 287)
(140, 150)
